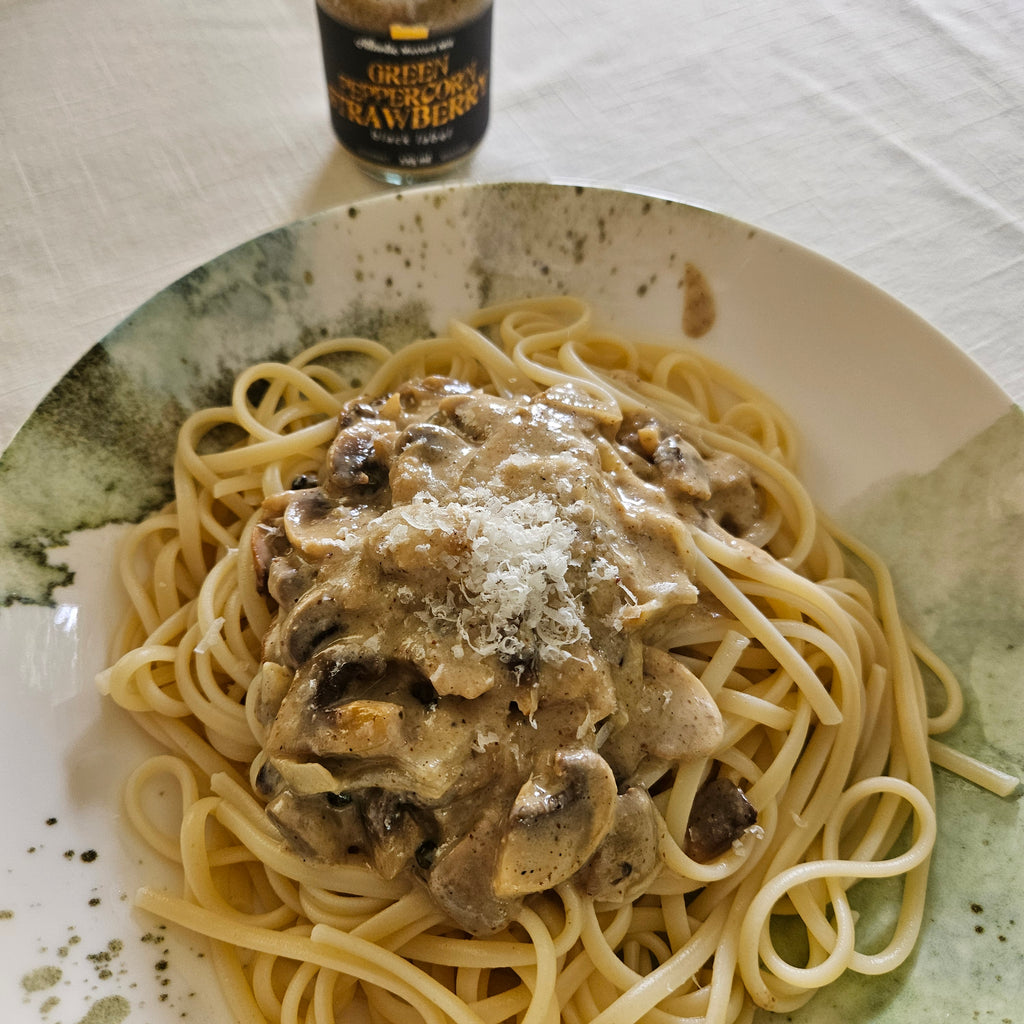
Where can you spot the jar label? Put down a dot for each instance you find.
(411, 99)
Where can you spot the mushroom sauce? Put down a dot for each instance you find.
(467, 678)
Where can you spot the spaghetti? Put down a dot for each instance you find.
(823, 724)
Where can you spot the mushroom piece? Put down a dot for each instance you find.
(339, 703)
(318, 827)
(323, 531)
(429, 459)
(317, 619)
(358, 458)
(462, 884)
(736, 502)
(628, 856)
(671, 717)
(268, 543)
(471, 417)
(288, 578)
(294, 526)
(719, 816)
(394, 828)
(688, 724)
(378, 722)
(677, 462)
(557, 820)
(430, 442)
(683, 470)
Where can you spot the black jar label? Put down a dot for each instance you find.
(410, 99)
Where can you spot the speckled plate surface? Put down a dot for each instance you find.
(905, 440)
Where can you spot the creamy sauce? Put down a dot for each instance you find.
(465, 678)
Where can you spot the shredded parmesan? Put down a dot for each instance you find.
(506, 591)
(211, 636)
(484, 740)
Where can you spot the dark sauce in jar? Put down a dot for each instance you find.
(408, 82)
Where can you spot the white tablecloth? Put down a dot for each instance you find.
(139, 140)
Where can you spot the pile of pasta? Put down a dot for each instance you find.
(818, 682)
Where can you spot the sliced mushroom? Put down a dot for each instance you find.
(288, 578)
(430, 442)
(671, 718)
(337, 705)
(683, 470)
(317, 827)
(395, 831)
(268, 781)
(462, 883)
(357, 410)
(304, 481)
(268, 542)
(474, 416)
(557, 820)
(719, 816)
(336, 675)
(582, 678)
(319, 527)
(306, 507)
(423, 395)
(628, 855)
(343, 674)
(357, 461)
(639, 435)
(429, 459)
(317, 619)
(736, 502)
(688, 724)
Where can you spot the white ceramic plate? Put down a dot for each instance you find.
(905, 440)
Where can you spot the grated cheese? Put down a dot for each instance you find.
(507, 591)
(484, 740)
(211, 636)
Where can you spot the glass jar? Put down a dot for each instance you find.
(408, 82)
